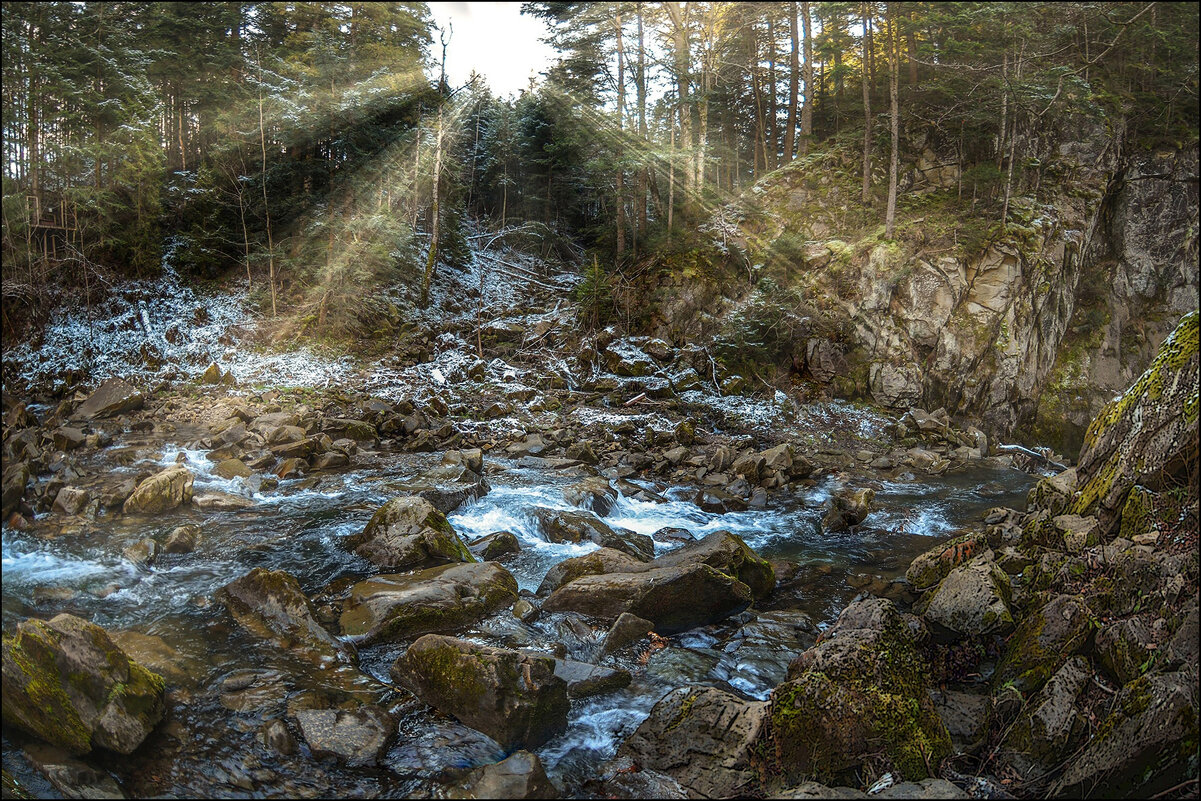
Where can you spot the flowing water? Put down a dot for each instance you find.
(299, 526)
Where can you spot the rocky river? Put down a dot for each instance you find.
(521, 562)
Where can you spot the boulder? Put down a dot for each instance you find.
(728, 553)
(1042, 642)
(593, 493)
(599, 562)
(860, 691)
(72, 777)
(1053, 493)
(1050, 726)
(931, 567)
(141, 552)
(345, 428)
(1142, 437)
(354, 737)
(847, 509)
(437, 599)
(447, 486)
(217, 501)
(182, 539)
(559, 525)
(71, 500)
(270, 605)
(16, 479)
(66, 438)
(232, 468)
(718, 501)
(67, 683)
(1124, 646)
(584, 680)
(623, 358)
(702, 737)
(495, 545)
(161, 492)
(520, 775)
(674, 599)
(513, 697)
(408, 532)
(114, 396)
(973, 600)
(1146, 744)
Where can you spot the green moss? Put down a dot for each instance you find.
(49, 712)
(452, 671)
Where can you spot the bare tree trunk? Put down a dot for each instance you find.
(680, 41)
(266, 206)
(794, 75)
(890, 216)
(773, 136)
(431, 262)
(867, 109)
(642, 132)
(671, 183)
(621, 103)
(810, 97)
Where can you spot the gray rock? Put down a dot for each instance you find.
(971, 600)
(355, 737)
(114, 396)
(71, 777)
(182, 539)
(71, 500)
(495, 545)
(436, 599)
(520, 775)
(626, 629)
(559, 525)
(594, 494)
(703, 738)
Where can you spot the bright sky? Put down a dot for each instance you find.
(495, 40)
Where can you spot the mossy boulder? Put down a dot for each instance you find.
(513, 697)
(973, 600)
(1042, 642)
(495, 545)
(66, 682)
(1146, 745)
(931, 567)
(437, 599)
(728, 553)
(409, 532)
(863, 689)
(270, 605)
(1050, 727)
(1148, 436)
(161, 492)
(1124, 647)
(1053, 494)
(703, 738)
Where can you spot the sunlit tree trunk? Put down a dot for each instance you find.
(793, 81)
(867, 108)
(621, 103)
(890, 216)
(431, 262)
(807, 106)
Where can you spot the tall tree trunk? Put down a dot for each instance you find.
(682, 57)
(773, 136)
(911, 48)
(794, 76)
(642, 131)
(266, 206)
(810, 96)
(759, 154)
(867, 109)
(621, 105)
(894, 116)
(431, 262)
(671, 182)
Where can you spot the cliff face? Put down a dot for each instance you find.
(1028, 329)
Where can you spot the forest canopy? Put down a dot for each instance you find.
(318, 149)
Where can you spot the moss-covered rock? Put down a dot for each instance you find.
(408, 532)
(973, 600)
(513, 697)
(1148, 436)
(1050, 726)
(931, 567)
(66, 682)
(1042, 642)
(860, 691)
(1147, 744)
(1053, 494)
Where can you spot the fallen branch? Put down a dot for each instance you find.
(1034, 453)
(635, 399)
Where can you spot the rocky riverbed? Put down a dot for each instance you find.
(589, 566)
